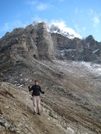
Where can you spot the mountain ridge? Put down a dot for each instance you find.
(62, 67)
(53, 44)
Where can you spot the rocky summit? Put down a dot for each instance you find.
(68, 70)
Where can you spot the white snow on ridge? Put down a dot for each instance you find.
(62, 52)
(75, 66)
(91, 67)
(88, 44)
(95, 50)
(71, 130)
(61, 28)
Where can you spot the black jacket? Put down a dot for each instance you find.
(36, 90)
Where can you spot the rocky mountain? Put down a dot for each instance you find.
(77, 49)
(55, 29)
(71, 85)
(44, 44)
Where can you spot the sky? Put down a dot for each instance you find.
(82, 17)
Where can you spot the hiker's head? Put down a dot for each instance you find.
(36, 82)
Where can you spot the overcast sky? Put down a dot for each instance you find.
(80, 16)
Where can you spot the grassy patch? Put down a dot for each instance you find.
(86, 108)
(89, 114)
(51, 115)
(6, 94)
(1, 111)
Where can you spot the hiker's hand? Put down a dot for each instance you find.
(28, 87)
(30, 93)
(43, 92)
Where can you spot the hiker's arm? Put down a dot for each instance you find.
(29, 88)
(41, 90)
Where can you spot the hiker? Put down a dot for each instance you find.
(36, 90)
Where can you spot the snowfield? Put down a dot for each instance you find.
(80, 68)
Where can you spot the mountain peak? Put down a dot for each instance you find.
(90, 38)
(48, 41)
(61, 29)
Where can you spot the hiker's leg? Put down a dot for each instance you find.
(38, 104)
(35, 103)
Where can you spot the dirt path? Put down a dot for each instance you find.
(17, 117)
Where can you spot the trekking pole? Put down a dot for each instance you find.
(26, 103)
(27, 100)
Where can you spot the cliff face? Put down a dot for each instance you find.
(33, 40)
(37, 42)
(76, 49)
(72, 86)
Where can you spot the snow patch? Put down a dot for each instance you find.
(26, 79)
(71, 130)
(88, 44)
(90, 67)
(74, 66)
(94, 68)
(61, 28)
(30, 80)
(62, 52)
(95, 51)
(20, 85)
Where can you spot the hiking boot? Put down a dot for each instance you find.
(34, 112)
(39, 114)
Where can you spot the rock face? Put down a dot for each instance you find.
(39, 43)
(33, 40)
(72, 87)
(76, 49)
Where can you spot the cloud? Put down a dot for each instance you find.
(76, 10)
(90, 12)
(18, 23)
(31, 2)
(77, 28)
(42, 6)
(96, 21)
(62, 26)
(95, 17)
(39, 5)
(84, 28)
(6, 27)
(9, 26)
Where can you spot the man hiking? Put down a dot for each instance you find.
(36, 90)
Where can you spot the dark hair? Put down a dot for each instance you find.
(36, 81)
